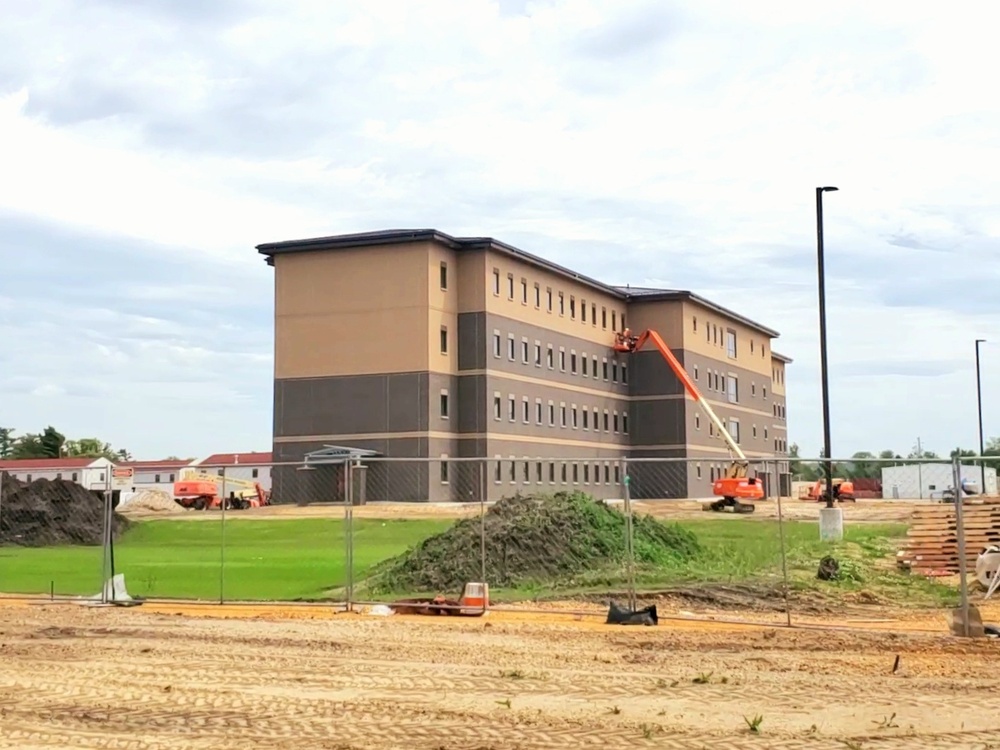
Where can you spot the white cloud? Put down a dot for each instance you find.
(630, 140)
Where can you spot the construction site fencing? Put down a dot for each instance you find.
(354, 532)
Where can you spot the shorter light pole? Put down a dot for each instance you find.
(821, 271)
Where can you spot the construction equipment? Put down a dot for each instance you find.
(202, 491)
(735, 485)
(474, 602)
(843, 489)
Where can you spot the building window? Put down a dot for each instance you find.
(765, 433)
(444, 340)
(524, 291)
(734, 390)
(753, 389)
(548, 298)
(444, 275)
(538, 411)
(576, 473)
(734, 430)
(593, 314)
(496, 344)
(576, 423)
(497, 471)
(496, 281)
(583, 364)
(607, 473)
(586, 419)
(604, 318)
(596, 419)
(552, 414)
(562, 304)
(513, 470)
(697, 471)
(696, 372)
(525, 410)
(763, 391)
(562, 472)
(604, 368)
(444, 470)
(731, 343)
(694, 322)
(615, 422)
(586, 473)
(625, 423)
(538, 472)
(511, 409)
(510, 286)
(697, 421)
(538, 296)
(708, 332)
(624, 373)
(751, 346)
(583, 310)
(623, 321)
(572, 362)
(497, 414)
(572, 307)
(614, 318)
(527, 472)
(511, 347)
(562, 359)
(444, 404)
(548, 356)
(552, 472)
(562, 414)
(755, 430)
(614, 371)
(606, 420)
(156, 478)
(593, 361)
(538, 354)
(524, 351)
(172, 476)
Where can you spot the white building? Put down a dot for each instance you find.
(155, 475)
(92, 473)
(250, 467)
(927, 481)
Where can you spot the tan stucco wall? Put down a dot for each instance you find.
(352, 311)
(501, 304)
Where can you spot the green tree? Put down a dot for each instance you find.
(52, 442)
(863, 466)
(800, 470)
(28, 446)
(7, 441)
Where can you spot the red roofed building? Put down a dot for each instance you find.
(91, 473)
(156, 475)
(252, 466)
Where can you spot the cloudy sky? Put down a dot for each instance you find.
(146, 147)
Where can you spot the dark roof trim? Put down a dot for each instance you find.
(645, 294)
(781, 357)
(396, 236)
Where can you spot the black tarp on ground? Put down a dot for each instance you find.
(624, 616)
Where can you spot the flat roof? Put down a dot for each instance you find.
(398, 236)
(781, 357)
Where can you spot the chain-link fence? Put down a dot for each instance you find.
(552, 533)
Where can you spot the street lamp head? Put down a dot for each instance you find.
(828, 189)
(980, 341)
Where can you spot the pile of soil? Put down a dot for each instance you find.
(149, 501)
(550, 539)
(51, 512)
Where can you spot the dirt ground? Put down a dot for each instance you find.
(180, 676)
(870, 511)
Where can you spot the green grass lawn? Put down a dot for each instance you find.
(286, 559)
(305, 559)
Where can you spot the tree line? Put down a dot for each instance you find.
(868, 465)
(50, 443)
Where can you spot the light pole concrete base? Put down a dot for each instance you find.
(831, 524)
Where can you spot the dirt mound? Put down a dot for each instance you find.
(50, 512)
(565, 539)
(149, 501)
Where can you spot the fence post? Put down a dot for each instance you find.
(106, 536)
(784, 552)
(484, 466)
(956, 469)
(222, 541)
(629, 549)
(349, 533)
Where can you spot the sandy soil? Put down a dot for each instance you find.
(870, 511)
(160, 677)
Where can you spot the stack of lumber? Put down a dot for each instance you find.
(931, 546)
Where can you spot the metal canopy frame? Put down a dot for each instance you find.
(337, 454)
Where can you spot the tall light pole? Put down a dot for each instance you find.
(979, 400)
(822, 343)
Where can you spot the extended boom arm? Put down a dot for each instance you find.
(627, 343)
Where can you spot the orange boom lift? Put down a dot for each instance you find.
(735, 485)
